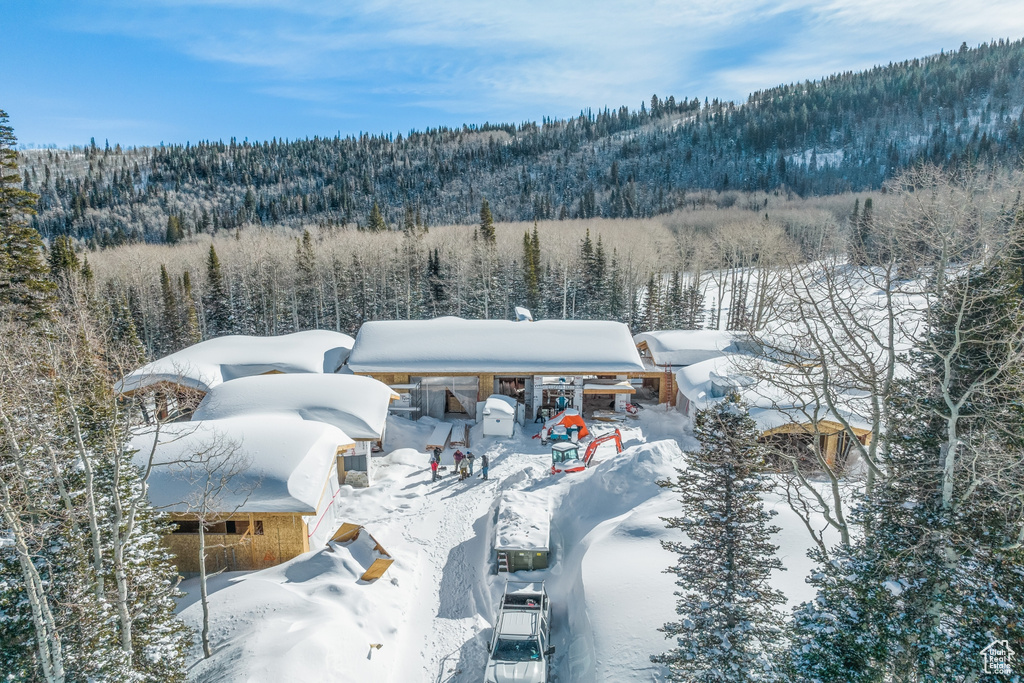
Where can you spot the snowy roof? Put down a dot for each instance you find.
(282, 462)
(686, 347)
(498, 406)
(524, 520)
(708, 382)
(494, 346)
(356, 405)
(204, 365)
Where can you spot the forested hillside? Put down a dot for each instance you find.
(847, 132)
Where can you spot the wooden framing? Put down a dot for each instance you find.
(284, 536)
(828, 430)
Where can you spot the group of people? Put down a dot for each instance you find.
(463, 464)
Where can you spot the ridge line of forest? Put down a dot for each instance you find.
(847, 132)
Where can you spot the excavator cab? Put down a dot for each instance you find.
(565, 454)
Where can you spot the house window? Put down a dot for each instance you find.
(355, 463)
(235, 527)
(184, 527)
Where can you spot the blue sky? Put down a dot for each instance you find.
(187, 70)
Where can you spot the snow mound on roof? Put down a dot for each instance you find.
(458, 345)
(686, 347)
(283, 462)
(356, 405)
(707, 383)
(498, 405)
(207, 364)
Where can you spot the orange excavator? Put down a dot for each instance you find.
(565, 455)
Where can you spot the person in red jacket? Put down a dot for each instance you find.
(433, 469)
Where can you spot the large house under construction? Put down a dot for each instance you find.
(444, 367)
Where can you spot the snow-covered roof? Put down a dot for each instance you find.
(709, 382)
(686, 347)
(356, 405)
(204, 365)
(497, 405)
(282, 462)
(524, 521)
(494, 346)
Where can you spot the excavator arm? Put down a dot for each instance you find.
(592, 448)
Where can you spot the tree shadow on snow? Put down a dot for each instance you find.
(190, 587)
(466, 664)
(463, 591)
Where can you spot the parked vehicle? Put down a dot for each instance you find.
(565, 457)
(520, 649)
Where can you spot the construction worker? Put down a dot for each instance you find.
(458, 460)
(470, 457)
(463, 470)
(484, 462)
(433, 469)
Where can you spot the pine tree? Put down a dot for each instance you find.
(190, 329)
(652, 305)
(939, 573)
(692, 316)
(307, 284)
(486, 231)
(26, 293)
(216, 303)
(170, 320)
(532, 269)
(174, 232)
(376, 222)
(674, 305)
(409, 224)
(63, 260)
(730, 629)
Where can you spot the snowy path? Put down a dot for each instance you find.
(449, 522)
(447, 616)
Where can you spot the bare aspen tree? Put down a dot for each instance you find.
(843, 332)
(215, 474)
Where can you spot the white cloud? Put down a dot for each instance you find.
(553, 55)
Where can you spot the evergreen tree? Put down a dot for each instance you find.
(216, 302)
(939, 573)
(409, 224)
(26, 293)
(674, 305)
(692, 315)
(616, 295)
(170, 320)
(730, 629)
(174, 232)
(486, 231)
(307, 284)
(190, 328)
(531, 274)
(652, 305)
(376, 222)
(63, 260)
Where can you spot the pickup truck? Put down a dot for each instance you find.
(520, 649)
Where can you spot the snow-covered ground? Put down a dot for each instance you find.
(312, 619)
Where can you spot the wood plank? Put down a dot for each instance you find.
(439, 437)
(376, 569)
